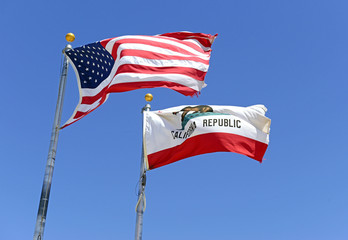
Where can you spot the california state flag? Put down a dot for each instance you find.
(180, 132)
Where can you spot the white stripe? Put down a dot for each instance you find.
(82, 108)
(141, 77)
(181, 79)
(88, 107)
(111, 43)
(90, 92)
(195, 41)
(163, 63)
(165, 51)
(72, 120)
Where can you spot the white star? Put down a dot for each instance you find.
(87, 69)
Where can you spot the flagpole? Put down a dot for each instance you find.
(140, 207)
(46, 186)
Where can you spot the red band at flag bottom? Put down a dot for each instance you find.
(208, 143)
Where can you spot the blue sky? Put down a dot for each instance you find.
(290, 56)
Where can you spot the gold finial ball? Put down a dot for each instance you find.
(70, 37)
(148, 97)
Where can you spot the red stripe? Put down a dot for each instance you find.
(105, 42)
(205, 39)
(130, 68)
(92, 99)
(187, 71)
(79, 114)
(82, 114)
(65, 125)
(134, 39)
(208, 143)
(124, 87)
(180, 41)
(159, 56)
(151, 43)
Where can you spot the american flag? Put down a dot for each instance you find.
(178, 61)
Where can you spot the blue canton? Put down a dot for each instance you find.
(93, 64)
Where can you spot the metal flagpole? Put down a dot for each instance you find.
(141, 204)
(46, 186)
